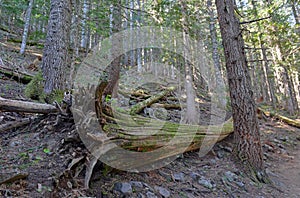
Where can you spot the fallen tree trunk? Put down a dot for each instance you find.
(286, 120)
(29, 43)
(24, 106)
(17, 75)
(14, 124)
(143, 134)
(124, 130)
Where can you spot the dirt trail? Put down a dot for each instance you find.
(289, 172)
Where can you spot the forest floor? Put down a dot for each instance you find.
(36, 158)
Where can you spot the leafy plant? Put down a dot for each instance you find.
(46, 150)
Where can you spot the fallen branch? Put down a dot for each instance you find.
(14, 124)
(287, 120)
(24, 106)
(141, 105)
(29, 43)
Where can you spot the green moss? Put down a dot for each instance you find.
(56, 95)
(35, 88)
(35, 91)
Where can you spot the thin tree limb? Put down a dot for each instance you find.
(255, 20)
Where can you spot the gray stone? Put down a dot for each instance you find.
(213, 161)
(220, 154)
(228, 149)
(124, 188)
(179, 177)
(276, 141)
(15, 143)
(240, 184)
(136, 184)
(140, 195)
(231, 176)
(148, 187)
(194, 176)
(165, 175)
(206, 183)
(162, 191)
(284, 139)
(150, 195)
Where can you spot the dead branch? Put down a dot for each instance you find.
(14, 124)
(255, 20)
(140, 106)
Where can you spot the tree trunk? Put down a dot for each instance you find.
(265, 65)
(26, 27)
(296, 15)
(114, 67)
(215, 53)
(56, 51)
(84, 25)
(139, 50)
(74, 40)
(131, 25)
(290, 96)
(266, 71)
(246, 131)
(191, 115)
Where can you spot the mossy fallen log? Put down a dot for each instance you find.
(141, 135)
(140, 106)
(286, 120)
(146, 141)
(17, 75)
(141, 131)
(28, 43)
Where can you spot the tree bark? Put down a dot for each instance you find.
(56, 51)
(246, 131)
(26, 27)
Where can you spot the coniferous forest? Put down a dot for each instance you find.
(140, 98)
